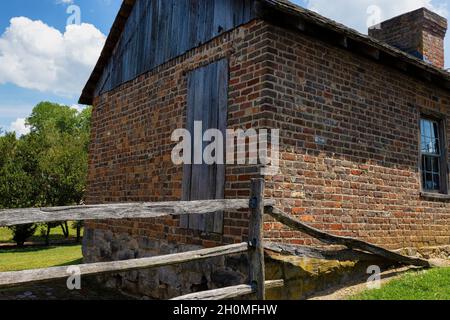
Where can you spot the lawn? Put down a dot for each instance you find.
(16, 259)
(424, 285)
(56, 234)
(41, 257)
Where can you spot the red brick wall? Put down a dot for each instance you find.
(433, 49)
(350, 145)
(349, 130)
(130, 154)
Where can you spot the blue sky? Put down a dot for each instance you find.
(43, 59)
(16, 101)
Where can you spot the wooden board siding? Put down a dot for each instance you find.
(160, 30)
(207, 102)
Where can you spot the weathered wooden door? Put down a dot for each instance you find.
(207, 102)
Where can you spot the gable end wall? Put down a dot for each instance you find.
(130, 161)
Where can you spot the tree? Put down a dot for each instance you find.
(22, 233)
(16, 184)
(48, 166)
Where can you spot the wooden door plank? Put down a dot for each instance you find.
(207, 102)
(222, 80)
(210, 120)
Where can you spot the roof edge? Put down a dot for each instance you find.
(309, 22)
(87, 95)
(299, 19)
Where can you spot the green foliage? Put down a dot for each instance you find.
(15, 182)
(56, 234)
(22, 233)
(48, 166)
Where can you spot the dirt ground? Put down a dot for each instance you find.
(345, 293)
(57, 290)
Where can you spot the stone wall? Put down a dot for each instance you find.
(309, 271)
(160, 283)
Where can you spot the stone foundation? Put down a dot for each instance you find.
(441, 252)
(306, 270)
(165, 282)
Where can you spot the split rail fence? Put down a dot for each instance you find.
(254, 248)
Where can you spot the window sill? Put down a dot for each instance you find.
(435, 196)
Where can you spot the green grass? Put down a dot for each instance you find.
(42, 257)
(38, 257)
(5, 235)
(56, 234)
(424, 285)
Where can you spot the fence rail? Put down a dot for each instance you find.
(230, 292)
(350, 243)
(19, 278)
(254, 247)
(145, 210)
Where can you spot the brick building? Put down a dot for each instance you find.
(362, 120)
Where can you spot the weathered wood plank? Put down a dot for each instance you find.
(222, 123)
(207, 104)
(345, 241)
(230, 292)
(197, 183)
(13, 279)
(172, 27)
(13, 217)
(255, 236)
(187, 168)
(206, 186)
(209, 116)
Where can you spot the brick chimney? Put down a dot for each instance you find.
(420, 33)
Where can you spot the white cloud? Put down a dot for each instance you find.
(36, 56)
(19, 127)
(357, 13)
(78, 107)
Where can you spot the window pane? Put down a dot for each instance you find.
(431, 164)
(425, 128)
(425, 144)
(435, 164)
(429, 136)
(428, 183)
(436, 182)
(431, 157)
(428, 131)
(427, 164)
(436, 146)
(435, 130)
(431, 172)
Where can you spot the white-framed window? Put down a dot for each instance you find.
(433, 157)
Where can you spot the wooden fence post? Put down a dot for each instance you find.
(255, 236)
